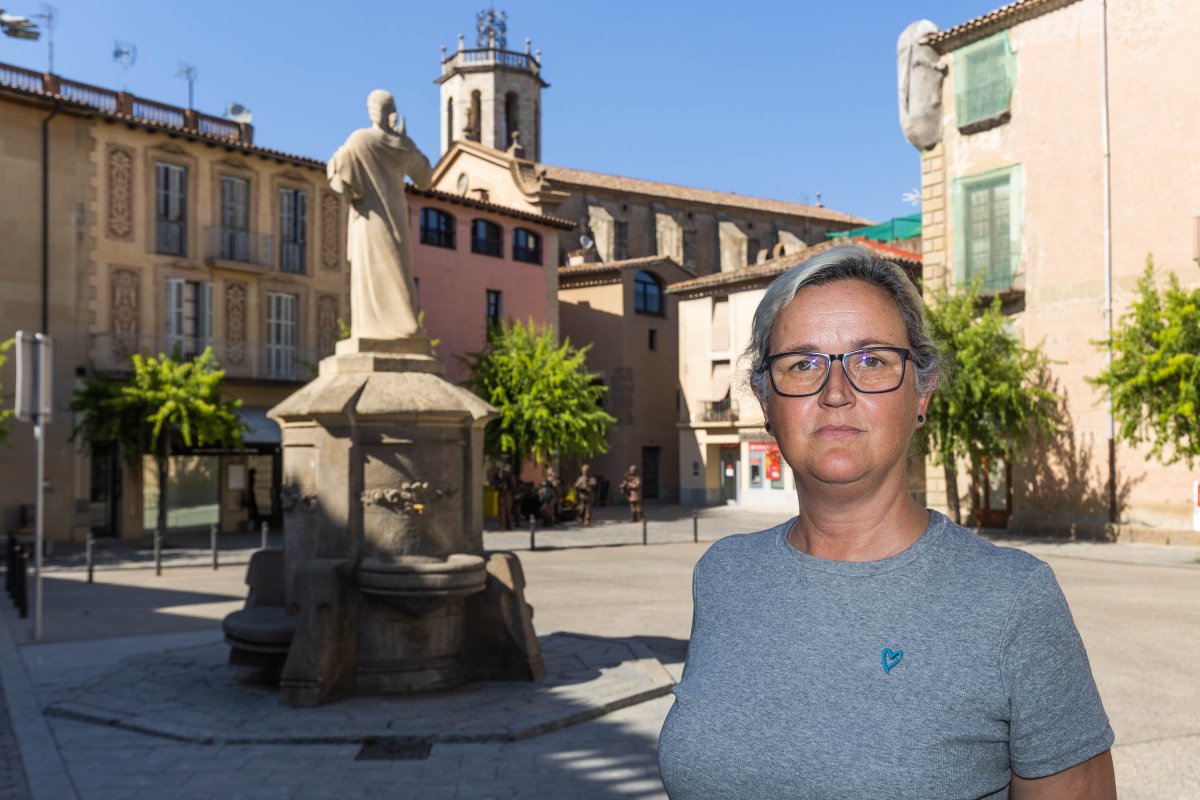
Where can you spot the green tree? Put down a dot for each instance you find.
(550, 405)
(164, 401)
(996, 396)
(5, 413)
(1155, 373)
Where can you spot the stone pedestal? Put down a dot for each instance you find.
(383, 471)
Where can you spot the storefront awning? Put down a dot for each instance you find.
(262, 430)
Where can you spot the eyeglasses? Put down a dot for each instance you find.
(871, 370)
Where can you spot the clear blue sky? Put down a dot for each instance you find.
(776, 99)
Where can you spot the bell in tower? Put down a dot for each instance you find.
(490, 94)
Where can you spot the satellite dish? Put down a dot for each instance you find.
(586, 242)
(239, 113)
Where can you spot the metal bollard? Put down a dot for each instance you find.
(21, 586)
(643, 529)
(696, 525)
(532, 532)
(158, 551)
(264, 535)
(212, 533)
(90, 553)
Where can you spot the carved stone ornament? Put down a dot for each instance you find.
(327, 327)
(292, 498)
(330, 230)
(126, 312)
(409, 497)
(235, 324)
(120, 193)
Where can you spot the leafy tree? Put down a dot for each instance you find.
(1155, 372)
(550, 405)
(163, 401)
(996, 397)
(5, 413)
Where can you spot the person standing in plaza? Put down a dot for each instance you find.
(504, 483)
(585, 495)
(631, 487)
(869, 647)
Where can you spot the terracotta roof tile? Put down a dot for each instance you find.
(578, 177)
(767, 271)
(602, 267)
(470, 202)
(996, 20)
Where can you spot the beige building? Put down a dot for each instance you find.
(1067, 156)
(725, 455)
(622, 310)
(169, 231)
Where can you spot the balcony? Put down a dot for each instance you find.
(491, 57)
(718, 411)
(235, 248)
(170, 237)
(110, 355)
(291, 257)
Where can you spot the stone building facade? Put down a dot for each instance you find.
(1066, 158)
(169, 231)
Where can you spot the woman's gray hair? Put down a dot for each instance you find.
(844, 263)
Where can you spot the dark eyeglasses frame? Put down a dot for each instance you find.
(903, 351)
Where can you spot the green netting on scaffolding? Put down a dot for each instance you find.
(896, 228)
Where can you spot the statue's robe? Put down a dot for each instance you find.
(369, 170)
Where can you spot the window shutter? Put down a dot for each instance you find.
(301, 215)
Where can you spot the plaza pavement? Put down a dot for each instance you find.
(1137, 607)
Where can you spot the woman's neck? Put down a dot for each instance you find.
(839, 525)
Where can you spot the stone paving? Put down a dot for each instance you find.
(12, 775)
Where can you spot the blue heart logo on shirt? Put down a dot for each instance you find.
(891, 658)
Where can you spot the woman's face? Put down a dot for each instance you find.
(840, 436)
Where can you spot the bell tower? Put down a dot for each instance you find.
(489, 93)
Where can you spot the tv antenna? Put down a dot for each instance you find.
(48, 15)
(913, 198)
(188, 73)
(125, 54)
(239, 113)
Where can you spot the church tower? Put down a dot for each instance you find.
(490, 93)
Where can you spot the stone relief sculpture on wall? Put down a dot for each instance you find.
(331, 231)
(120, 193)
(125, 310)
(369, 171)
(919, 74)
(235, 324)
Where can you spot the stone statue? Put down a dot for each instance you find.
(919, 74)
(369, 170)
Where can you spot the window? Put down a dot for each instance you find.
(495, 306)
(653, 339)
(987, 228)
(527, 246)
(233, 235)
(449, 122)
(293, 220)
(647, 294)
(437, 228)
(487, 238)
(511, 121)
(281, 335)
(985, 73)
(620, 239)
(752, 248)
(170, 235)
(189, 317)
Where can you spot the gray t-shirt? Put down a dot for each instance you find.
(930, 674)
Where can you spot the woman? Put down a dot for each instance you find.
(869, 647)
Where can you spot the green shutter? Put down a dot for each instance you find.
(991, 191)
(984, 75)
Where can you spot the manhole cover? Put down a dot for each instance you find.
(394, 750)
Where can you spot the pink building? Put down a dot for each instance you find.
(477, 263)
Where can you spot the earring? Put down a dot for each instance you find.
(767, 425)
(920, 419)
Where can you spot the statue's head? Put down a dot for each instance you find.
(380, 106)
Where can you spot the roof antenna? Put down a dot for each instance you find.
(125, 54)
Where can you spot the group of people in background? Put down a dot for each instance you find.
(545, 502)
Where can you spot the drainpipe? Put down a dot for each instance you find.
(46, 217)
(1106, 156)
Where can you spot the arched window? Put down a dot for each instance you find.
(487, 238)
(647, 294)
(527, 246)
(474, 114)
(449, 122)
(437, 228)
(511, 123)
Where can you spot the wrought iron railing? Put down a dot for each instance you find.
(226, 243)
(291, 257)
(718, 411)
(110, 354)
(170, 237)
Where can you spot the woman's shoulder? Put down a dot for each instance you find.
(738, 547)
(969, 553)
